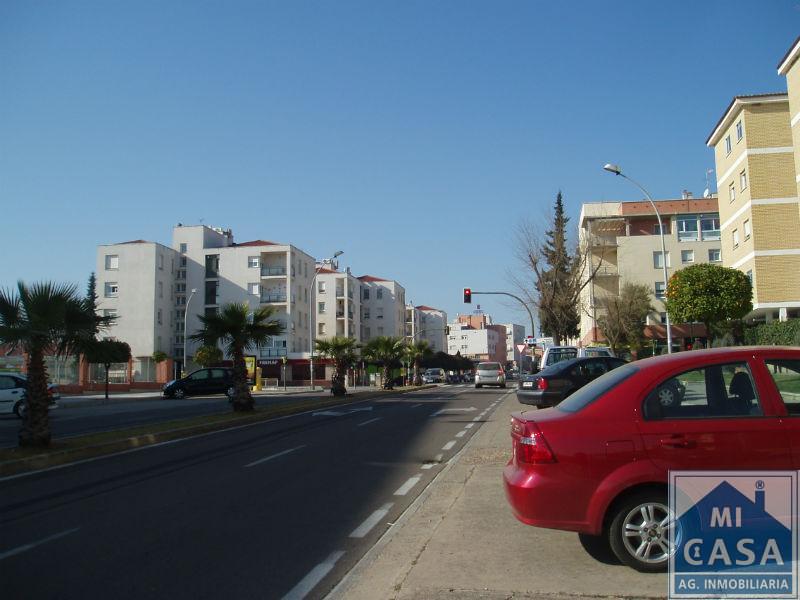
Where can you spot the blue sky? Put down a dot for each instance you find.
(413, 135)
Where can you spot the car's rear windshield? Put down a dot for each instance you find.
(597, 352)
(593, 390)
(558, 367)
(489, 367)
(556, 356)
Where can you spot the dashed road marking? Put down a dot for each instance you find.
(372, 520)
(317, 574)
(26, 547)
(427, 466)
(449, 445)
(461, 433)
(469, 425)
(368, 422)
(406, 487)
(266, 458)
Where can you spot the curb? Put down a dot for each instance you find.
(68, 456)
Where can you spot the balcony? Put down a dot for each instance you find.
(267, 271)
(340, 314)
(340, 293)
(273, 298)
(604, 241)
(272, 352)
(607, 271)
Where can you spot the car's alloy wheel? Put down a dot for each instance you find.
(668, 396)
(640, 532)
(231, 392)
(179, 394)
(20, 408)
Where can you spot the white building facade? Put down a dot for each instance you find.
(475, 344)
(338, 304)
(515, 335)
(383, 308)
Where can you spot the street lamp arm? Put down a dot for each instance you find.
(518, 299)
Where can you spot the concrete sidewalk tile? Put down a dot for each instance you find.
(462, 541)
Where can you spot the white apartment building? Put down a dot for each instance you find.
(515, 335)
(383, 303)
(433, 324)
(338, 300)
(152, 288)
(475, 344)
(135, 284)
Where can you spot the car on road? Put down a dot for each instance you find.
(13, 391)
(490, 373)
(217, 380)
(598, 462)
(434, 376)
(556, 382)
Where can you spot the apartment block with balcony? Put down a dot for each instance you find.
(383, 308)
(433, 323)
(338, 300)
(755, 160)
(135, 284)
(626, 246)
(515, 336)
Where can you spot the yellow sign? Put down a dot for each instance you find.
(250, 365)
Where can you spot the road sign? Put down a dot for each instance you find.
(521, 348)
(530, 341)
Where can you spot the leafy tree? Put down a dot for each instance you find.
(207, 356)
(709, 294)
(415, 353)
(106, 353)
(342, 350)
(611, 322)
(44, 317)
(238, 330)
(159, 356)
(386, 351)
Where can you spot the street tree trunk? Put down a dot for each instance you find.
(242, 398)
(338, 387)
(387, 378)
(35, 430)
(107, 366)
(417, 378)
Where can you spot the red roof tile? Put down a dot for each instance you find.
(423, 307)
(369, 278)
(324, 270)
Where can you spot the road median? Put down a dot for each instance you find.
(63, 451)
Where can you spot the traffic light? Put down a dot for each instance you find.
(467, 296)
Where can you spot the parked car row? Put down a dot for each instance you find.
(597, 463)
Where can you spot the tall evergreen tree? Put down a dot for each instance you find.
(91, 296)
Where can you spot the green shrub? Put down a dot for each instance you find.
(776, 333)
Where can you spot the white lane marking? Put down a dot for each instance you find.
(368, 422)
(478, 418)
(315, 575)
(438, 458)
(449, 445)
(469, 425)
(427, 466)
(371, 521)
(454, 410)
(406, 487)
(27, 547)
(266, 458)
(417, 405)
(461, 433)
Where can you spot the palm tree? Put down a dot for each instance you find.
(238, 330)
(386, 350)
(45, 317)
(416, 352)
(343, 352)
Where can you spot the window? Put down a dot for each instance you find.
(379, 312)
(735, 238)
(253, 262)
(210, 311)
(181, 274)
(714, 255)
(747, 230)
(212, 288)
(739, 131)
(731, 192)
(320, 307)
(366, 332)
(160, 289)
(161, 262)
(111, 289)
(750, 276)
(180, 288)
(254, 289)
(658, 260)
(728, 145)
(159, 317)
(713, 391)
(320, 287)
(7, 383)
(743, 180)
(366, 293)
(709, 227)
(183, 248)
(656, 229)
(379, 294)
(786, 375)
(110, 312)
(321, 329)
(687, 256)
(212, 265)
(112, 262)
(180, 301)
(180, 314)
(200, 375)
(659, 287)
(663, 317)
(687, 228)
(380, 330)
(366, 313)
(182, 262)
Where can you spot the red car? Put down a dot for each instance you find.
(598, 462)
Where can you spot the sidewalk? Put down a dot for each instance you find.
(460, 540)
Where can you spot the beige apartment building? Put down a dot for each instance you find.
(626, 244)
(338, 304)
(758, 200)
(789, 67)
(383, 308)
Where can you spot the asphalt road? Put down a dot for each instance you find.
(72, 421)
(274, 510)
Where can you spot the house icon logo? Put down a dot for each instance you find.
(734, 534)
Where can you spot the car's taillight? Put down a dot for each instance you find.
(542, 385)
(529, 443)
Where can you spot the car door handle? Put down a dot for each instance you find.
(678, 441)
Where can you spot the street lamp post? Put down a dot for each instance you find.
(615, 169)
(311, 317)
(185, 321)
